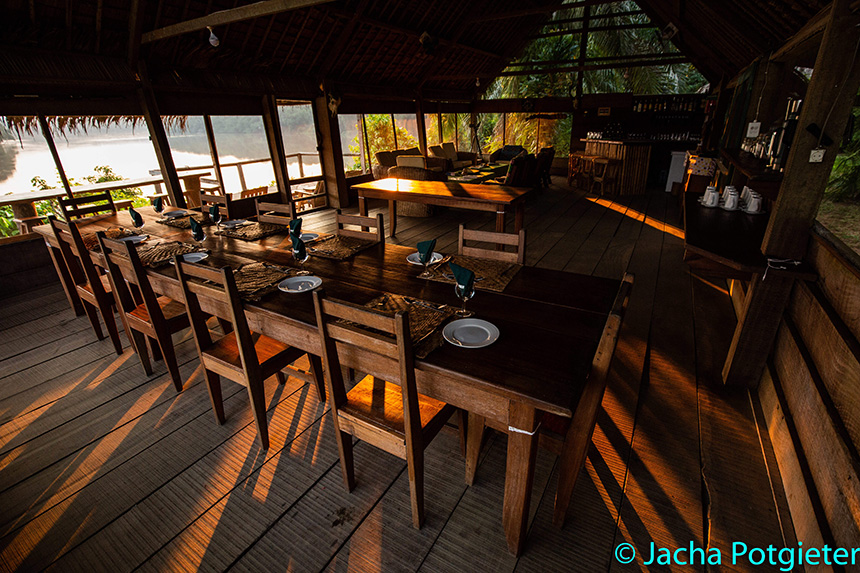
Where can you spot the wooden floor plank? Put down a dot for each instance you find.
(93, 453)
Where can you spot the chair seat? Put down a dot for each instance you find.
(105, 284)
(274, 356)
(169, 307)
(380, 403)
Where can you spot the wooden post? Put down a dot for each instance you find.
(393, 130)
(583, 52)
(149, 108)
(714, 133)
(828, 102)
(275, 139)
(422, 127)
(331, 154)
(213, 152)
(46, 132)
(829, 99)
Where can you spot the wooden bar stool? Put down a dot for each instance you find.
(586, 171)
(605, 173)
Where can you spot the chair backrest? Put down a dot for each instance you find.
(609, 337)
(544, 159)
(255, 192)
(87, 205)
(417, 174)
(125, 268)
(221, 286)
(277, 213)
(373, 331)
(374, 222)
(223, 201)
(75, 253)
(436, 151)
(518, 240)
(410, 161)
(450, 151)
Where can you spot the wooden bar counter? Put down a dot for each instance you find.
(634, 157)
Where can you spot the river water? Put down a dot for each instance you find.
(130, 154)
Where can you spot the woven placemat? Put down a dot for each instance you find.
(425, 320)
(256, 280)
(159, 254)
(183, 223)
(338, 247)
(489, 275)
(254, 231)
(91, 242)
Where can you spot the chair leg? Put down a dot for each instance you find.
(415, 462)
(344, 448)
(257, 394)
(110, 323)
(213, 383)
(92, 314)
(155, 345)
(138, 343)
(463, 423)
(169, 354)
(282, 378)
(475, 435)
(319, 379)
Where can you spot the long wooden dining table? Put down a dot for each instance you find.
(550, 324)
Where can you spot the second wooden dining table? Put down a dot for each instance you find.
(550, 324)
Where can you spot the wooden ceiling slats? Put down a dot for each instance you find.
(265, 36)
(296, 40)
(287, 27)
(312, 66)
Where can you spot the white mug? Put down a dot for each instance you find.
(731, 199)
(712, 198)
(754, 205)
(745, 194)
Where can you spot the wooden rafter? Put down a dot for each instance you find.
(224, 17)
(650, 56)
(345, 35)
(265, 36)
(576, 68)
(597, 17)
(547, 9)
(594, 29)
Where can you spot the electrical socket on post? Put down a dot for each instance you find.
(816, 156)
(753, 129)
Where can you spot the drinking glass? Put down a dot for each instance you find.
(301, 261)
(464, 295)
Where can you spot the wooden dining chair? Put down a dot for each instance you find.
(275, 213)
(366, 225)
(517, 240)
(385, 408)
(245, 357)
(87, 205)
(92, 286)
(147, 316)
(224, 202)
(569, 438)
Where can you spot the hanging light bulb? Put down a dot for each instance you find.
(477, 82)
(213, 39)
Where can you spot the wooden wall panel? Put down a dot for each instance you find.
(806, 526)
(835, 361)
(830, 462)
(840, 282)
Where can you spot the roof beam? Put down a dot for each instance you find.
(595, 29)
(568, 69)
(594, 17)
(650, 56)
(548, 9)
(224, 17)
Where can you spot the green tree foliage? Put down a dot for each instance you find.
(380, 137)
(844, 181)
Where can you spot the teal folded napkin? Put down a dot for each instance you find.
(299, 249)
(213, 212)
(296, 226)
(196, 229)
(135, 217)
(464, 277)
(425, 250)
(158, 205)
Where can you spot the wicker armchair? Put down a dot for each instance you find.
(406, 208)
(454, 159)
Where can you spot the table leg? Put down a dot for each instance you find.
(500, 219)
(522, 450)
(392, 214)
(65, 279)
(474, 437)
(362, 206)
(518, 217)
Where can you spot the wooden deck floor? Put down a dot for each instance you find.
(104, 469)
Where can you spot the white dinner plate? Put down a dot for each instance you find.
(175, 214)
(192, 257)
(300, 284)
(309, 236)
(233, 223)
(415, 258)
(470, 333)
(752, 212)
(134, 239)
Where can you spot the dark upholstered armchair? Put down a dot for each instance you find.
(506, 153)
